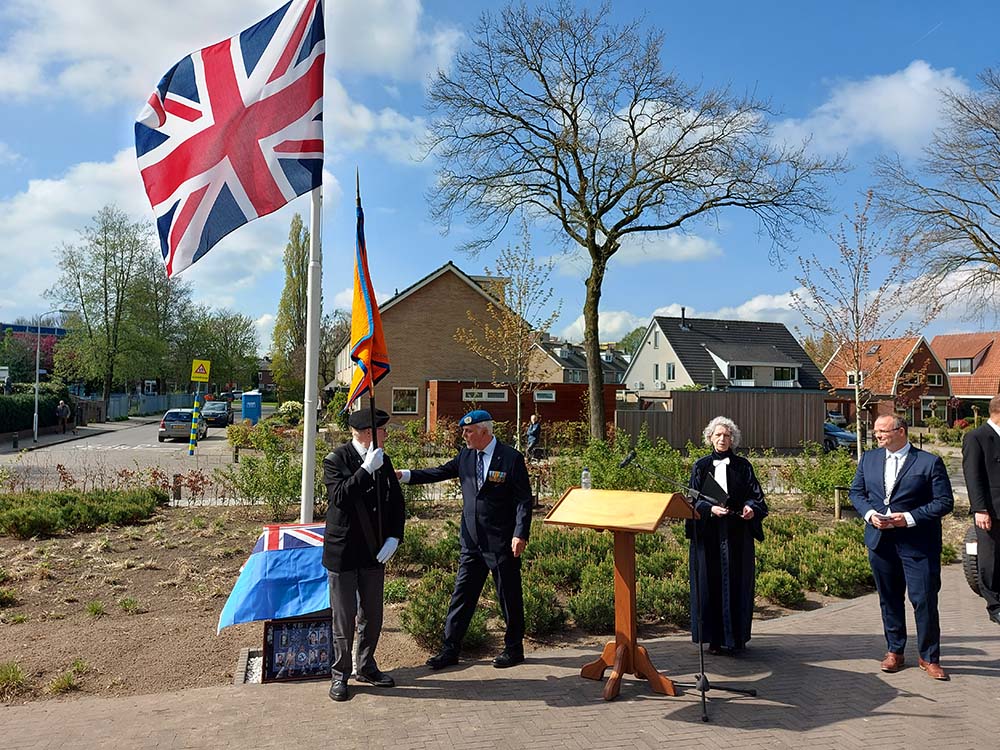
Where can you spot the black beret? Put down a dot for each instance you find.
(362, 419)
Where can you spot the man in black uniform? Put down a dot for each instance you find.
(981, 465)
(354, 553)
(496, 521)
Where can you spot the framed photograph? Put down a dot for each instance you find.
(297, 648)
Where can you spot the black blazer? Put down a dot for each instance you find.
(922, 489)
(981, 466)
(497, 513)
(348, 488)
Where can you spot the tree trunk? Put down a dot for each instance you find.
(857, 419)
(592, 347)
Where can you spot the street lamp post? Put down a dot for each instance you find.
(38, 356)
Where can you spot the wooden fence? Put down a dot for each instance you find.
(781, 421)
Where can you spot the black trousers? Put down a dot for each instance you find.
(987, 543)
(472, 570)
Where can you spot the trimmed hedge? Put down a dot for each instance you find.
(31, 514)
(18, 410)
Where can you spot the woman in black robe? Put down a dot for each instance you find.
(723, 557)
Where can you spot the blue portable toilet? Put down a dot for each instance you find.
(251, 406)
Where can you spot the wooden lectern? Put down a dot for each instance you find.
(625, 513)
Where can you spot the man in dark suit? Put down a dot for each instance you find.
(496, 521)
(981, 466)
(354, 552)
(902, 493)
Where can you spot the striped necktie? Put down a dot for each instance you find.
(480, 473)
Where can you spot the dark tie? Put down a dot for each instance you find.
(479, 469)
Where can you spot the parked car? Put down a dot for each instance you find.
(176, 423)
(835, 437)
(837, 418)
(217, 413)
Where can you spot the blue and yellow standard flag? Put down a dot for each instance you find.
(368, 349)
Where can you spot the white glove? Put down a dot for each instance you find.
(388, 550)
(373, 460)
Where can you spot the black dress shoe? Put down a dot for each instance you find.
(508, 659)
(376, 677)
(995, 616)
(442, 660)
(338, 691)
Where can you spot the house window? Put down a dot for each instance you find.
(740, 372)
(671, 371)
(960, 366)
(576, 376)
(852, 378)
(484, 394)
(784, 373)
(656, 371)
(935, 378)
(545, 396)
(656, 339)
(404, 400)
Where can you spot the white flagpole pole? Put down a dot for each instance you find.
(314, 298)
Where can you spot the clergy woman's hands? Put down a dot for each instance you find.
(517, 546)
(747, 513)
(720, 510)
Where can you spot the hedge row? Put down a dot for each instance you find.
(17, 411)
(39, 514)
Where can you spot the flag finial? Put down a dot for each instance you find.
(357, 183)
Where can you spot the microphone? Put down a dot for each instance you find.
(627, 460)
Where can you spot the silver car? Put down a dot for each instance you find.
(176, 423)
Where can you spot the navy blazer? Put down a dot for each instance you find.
(981, 465)
(922, 489)
(498, 512)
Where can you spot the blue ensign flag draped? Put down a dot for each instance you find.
(283, 577)
(234, 131)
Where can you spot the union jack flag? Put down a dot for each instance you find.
(283, 577)
(234, 131)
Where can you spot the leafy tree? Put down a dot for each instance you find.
(18, 355)
(949, 206)
(334, 333)
(820, 348)
(844, 302)
(288, 341)
(557, 112)
(506, 334)
(632, 340)
(98, 279)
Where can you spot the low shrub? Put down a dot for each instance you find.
(31, 514)
(423, 616)
(542, 613)
(816, 474)
(64, 683)
(396, 590)
(779, 587)
(7, 598)
(12, 680)
(664, 599)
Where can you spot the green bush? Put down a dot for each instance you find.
(12, 680)
(272, 475)
(396, 590)
(7, 598)
(17, 411)
(779, 587)
(423, 616)
(815, 474)
(31, 514)
(666, 599)
(542, 613)
(593, 608)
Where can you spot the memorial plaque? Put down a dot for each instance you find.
(297, 648)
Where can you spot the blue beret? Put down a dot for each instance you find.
(475, 417)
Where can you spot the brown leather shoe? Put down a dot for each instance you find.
(933, 669)
(892, 662)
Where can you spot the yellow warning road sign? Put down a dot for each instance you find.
(200, 369)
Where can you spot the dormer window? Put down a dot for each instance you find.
(960, 366)
(873, 350)
(852, 378)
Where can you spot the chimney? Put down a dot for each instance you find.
(684, 325)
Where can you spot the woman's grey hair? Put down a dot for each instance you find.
(723, 422)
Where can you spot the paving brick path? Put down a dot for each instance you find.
(816, 674)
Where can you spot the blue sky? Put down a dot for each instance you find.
(860, 78)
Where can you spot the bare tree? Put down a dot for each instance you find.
(506, 335)
(843, 302)
(557, 112)
(950, 206)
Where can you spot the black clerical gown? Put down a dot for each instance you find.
(723, 558)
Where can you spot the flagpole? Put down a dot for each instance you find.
(314, 298)
(371, 403)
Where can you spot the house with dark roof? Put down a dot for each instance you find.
(898, 376)
(554, 361)
(721, 355)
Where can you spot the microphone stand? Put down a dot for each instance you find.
(701, 683)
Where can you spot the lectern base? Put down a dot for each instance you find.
(618, 658)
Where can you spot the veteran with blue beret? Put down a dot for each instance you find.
(496, 521)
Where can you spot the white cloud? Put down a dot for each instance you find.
(265, 332)
(50, 213)
(653, 247)
(344, 299)
(899, 111)
(8, 155)
(103, 51)
(612, 324)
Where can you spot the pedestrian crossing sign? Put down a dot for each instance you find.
(200, 369)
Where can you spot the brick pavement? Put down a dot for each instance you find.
(816, 674)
